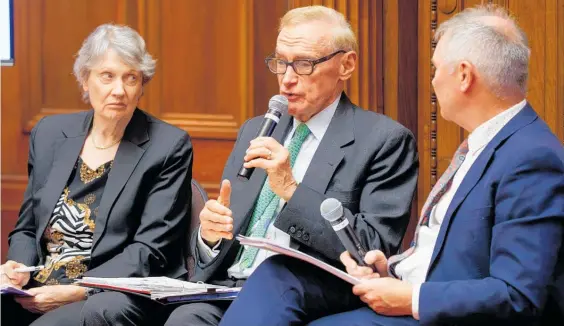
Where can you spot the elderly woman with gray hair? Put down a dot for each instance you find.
(108, 196)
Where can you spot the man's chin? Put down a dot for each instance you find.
(294, 110)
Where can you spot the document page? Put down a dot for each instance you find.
(269, 245)
(7, 289)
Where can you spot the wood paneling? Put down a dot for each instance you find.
(209, 61)
(386, 77)
(211, 75)
(266, 15)
(50, 87)
(543, 22)
(365, 88)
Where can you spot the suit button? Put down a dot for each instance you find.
(299, 234)
(292, 229)
(306, 236)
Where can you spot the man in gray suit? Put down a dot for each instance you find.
(325, 147)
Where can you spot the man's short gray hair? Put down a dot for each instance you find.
(124, 40)
(343, 37)
(490, 39)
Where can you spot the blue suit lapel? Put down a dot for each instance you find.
(526, 116)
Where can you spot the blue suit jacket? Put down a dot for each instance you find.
(498, 256)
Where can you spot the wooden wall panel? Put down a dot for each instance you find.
(49, 83)
(386, 77)
(211, 74)
(266, 17)
(365, 88)
(204, 66)
(543, 22)
(205, 80)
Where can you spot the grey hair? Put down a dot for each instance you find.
(500, 53)
(124, 40)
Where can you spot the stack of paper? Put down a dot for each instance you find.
(162, 289)
(266, 244)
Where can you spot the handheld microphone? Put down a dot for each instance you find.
(277, 106)
(332, 210)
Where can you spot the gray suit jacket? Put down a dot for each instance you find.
(366, 160)
(144, 211)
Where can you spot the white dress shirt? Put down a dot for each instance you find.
(318, 126)
(414, 268)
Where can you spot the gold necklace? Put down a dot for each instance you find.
(103, 147)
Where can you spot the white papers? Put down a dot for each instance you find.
(269, 245)
(7, 289)
(155, 287)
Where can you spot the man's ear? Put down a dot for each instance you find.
(347, 65)
(465, 74)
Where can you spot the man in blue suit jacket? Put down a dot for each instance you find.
(488, 247)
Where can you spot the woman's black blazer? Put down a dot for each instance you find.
(144, 213)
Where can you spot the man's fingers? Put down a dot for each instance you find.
(362, 271)
(359, 289)
(260, 163)
(353, 268)
(378, 259)
(261, 152)
(347, 260)
(215, 206)
(225, 193)
(217, 227)
(371, 276)
(267, 142)
(215, 218)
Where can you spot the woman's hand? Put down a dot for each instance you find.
(49, 297)
(11, 277)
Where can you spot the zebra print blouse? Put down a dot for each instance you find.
(68, 236)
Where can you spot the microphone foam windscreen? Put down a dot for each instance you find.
(331, 209)
(278, 103)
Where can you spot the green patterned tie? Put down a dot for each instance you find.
(268, 201)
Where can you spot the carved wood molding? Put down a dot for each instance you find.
(433, 122)
(204, 126)
(447, 6)
(43, 112)
(365, 87)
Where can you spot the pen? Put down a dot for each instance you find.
(29, 269)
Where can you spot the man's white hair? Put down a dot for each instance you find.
(343, 37)
(490, 39)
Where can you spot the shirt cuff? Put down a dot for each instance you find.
(207, 254)
(415, 301)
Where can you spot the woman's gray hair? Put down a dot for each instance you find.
(124, 40)
(490, 39)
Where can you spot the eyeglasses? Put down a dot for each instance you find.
(301, 67)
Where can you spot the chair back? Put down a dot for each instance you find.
(199, 199)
